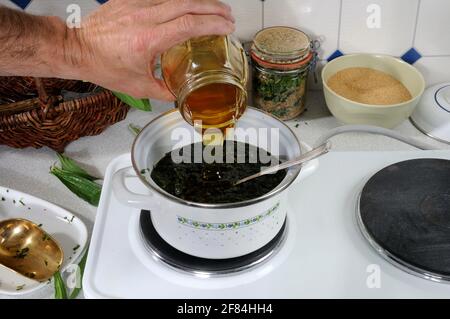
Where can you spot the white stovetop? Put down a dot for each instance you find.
(27, 170)
(324, 256)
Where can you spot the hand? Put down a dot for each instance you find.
(118, 44)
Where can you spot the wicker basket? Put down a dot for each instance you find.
(33, 112)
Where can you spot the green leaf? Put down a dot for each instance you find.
(69, 165)
(140, 104)
(80, 186)
(60, 287)
(76, 291)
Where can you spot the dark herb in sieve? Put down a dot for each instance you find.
(214, 182)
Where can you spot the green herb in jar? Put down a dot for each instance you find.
(282, 58)
(281, 94)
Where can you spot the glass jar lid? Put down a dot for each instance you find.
(281, 45)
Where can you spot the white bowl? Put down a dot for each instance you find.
(432, 115)
(388, 116)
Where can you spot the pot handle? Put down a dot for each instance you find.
(128, 197)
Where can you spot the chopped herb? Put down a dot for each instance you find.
(76, 247)
(134, 129)
(21, 254)
(145, 170)
(45, 237)
(40, 225)
(29, 208)
(20, 287)
(199, 182)
(297, 125)
(7, 190)
(21, 201)
(73, 217)
(3, 199)
(14, 201)
(280, 94)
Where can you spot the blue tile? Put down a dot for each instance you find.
(336, 54)
(411, 56)
(21, 3)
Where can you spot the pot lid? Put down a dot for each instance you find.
(282, 45)
(432, 115)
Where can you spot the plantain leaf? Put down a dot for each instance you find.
(140, 104)
(69, 165)
(80, 186)
(60, 287)
(76, 291)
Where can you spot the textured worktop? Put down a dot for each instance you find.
(27, 170)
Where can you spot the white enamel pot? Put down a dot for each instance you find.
(215, 231)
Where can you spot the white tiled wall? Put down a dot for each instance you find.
(394, 35)
(435, 69)
(249, 17)
(344, 25)
(318, 18)
(433, 27)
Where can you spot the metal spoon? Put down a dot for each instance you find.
(319, 151)
(28, 250)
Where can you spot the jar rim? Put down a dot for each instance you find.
(281, 45)
(284, 67)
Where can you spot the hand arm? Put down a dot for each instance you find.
(116, 46)
(33, 45)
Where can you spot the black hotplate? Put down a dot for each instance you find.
(404, 212)
(196, 265)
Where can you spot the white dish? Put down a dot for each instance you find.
(432, 115)
(68, 230)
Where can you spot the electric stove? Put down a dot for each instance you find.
(364, 225)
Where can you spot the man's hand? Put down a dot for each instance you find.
(117, 46)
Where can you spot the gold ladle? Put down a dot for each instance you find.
(28, 250)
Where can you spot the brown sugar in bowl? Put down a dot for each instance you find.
(379, 112)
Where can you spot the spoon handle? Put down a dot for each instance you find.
(319, 151)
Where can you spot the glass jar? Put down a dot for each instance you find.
(208, 75)
(282, 58)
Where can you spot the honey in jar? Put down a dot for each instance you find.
(208, 76)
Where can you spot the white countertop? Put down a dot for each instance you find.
(28, 170)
